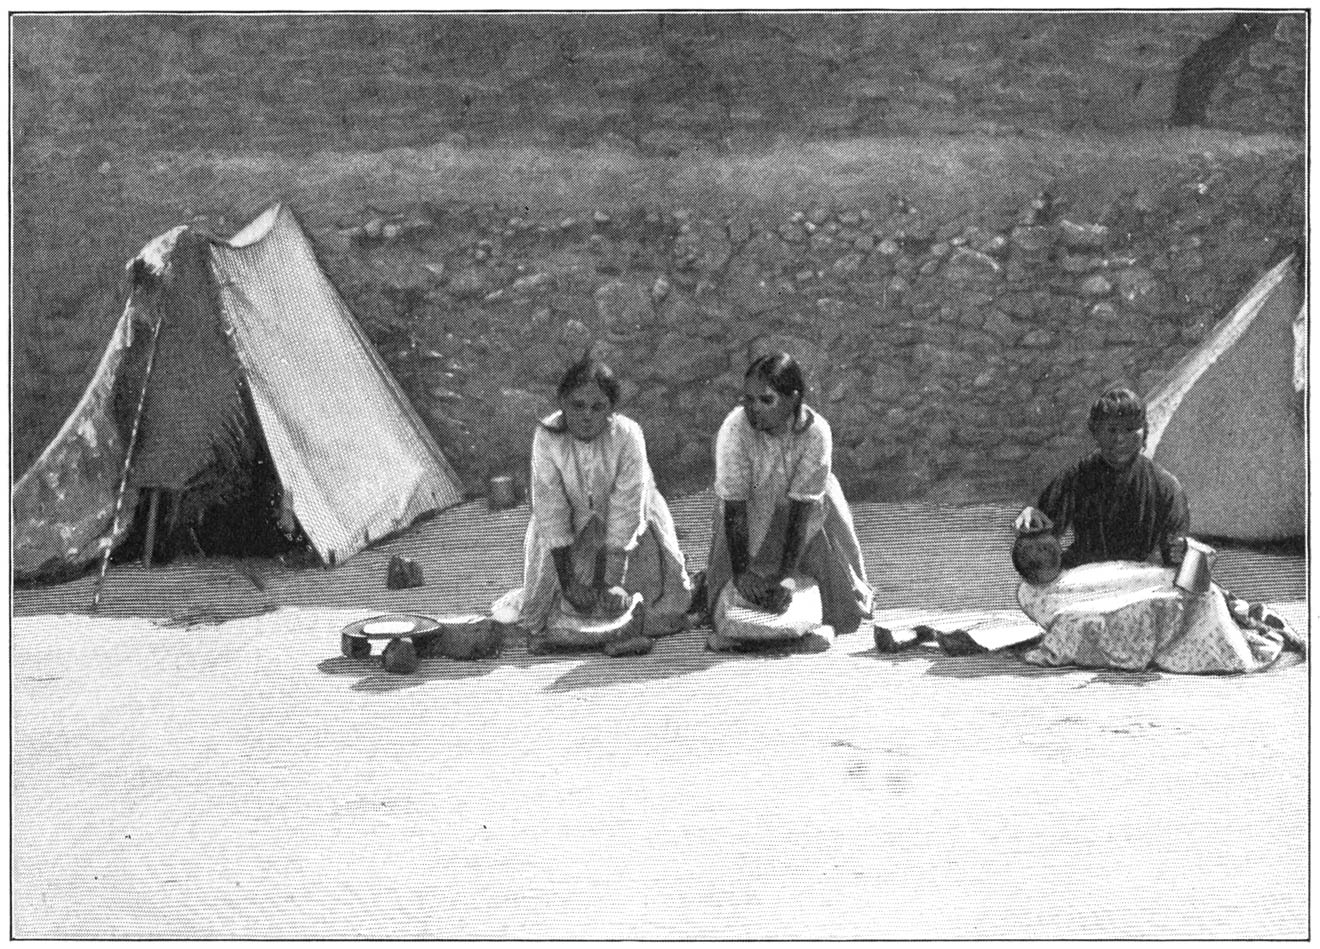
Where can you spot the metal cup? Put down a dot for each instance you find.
(1194, 575)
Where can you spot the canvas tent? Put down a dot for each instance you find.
(230, 357)
(1229, 420)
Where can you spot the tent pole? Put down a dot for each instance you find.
(108, 542)
(149, 544)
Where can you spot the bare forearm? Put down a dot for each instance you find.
(563, 558)
(795, 536)
(735, 535)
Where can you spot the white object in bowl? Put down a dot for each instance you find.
(389, 627)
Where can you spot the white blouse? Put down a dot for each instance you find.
(767, 470)
(607, 478)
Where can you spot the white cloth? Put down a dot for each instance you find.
(764, 469)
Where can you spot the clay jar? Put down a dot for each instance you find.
(1038, 556)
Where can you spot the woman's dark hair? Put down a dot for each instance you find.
(781, 372)
(587, 370)
(1118, 402)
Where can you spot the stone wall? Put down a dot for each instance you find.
(953, 342)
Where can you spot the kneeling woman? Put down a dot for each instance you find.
(599, 531)
(780, 509)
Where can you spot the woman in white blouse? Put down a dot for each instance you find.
(599, 531)
(780, 507)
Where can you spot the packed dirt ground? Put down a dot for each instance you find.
(199, 761)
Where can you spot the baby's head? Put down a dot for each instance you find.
(1038, 558)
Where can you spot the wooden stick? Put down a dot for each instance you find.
(108, 542)
(150, 543)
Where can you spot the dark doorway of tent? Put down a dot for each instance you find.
(235, 506)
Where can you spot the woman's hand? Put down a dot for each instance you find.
(750, 586)
(615, 601)
(1032, 521)
(763, 592)
(581, 597)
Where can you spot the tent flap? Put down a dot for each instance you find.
(351, 453)
(64, 505)
(1225, 420)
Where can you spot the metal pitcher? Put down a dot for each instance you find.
(1194, 575)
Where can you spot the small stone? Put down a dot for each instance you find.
(105, 168)
(793, 233)
(469, 283)
(1138, 282)
(403, 574)
(601, 218)
(847, 265)
(399, 657)
(568, 223)
(1083, 236)
(888, 247)
(739, 230)
(1033, 242)
(971, 264)
(1096, 286)
(660, 290)
(575, 332)
(1001, 326)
